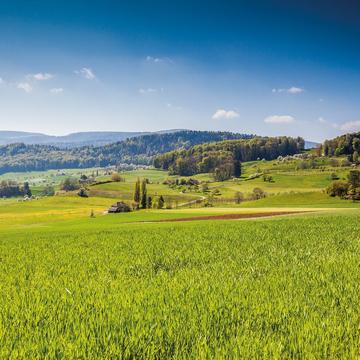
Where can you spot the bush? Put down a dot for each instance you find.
(258, 193)
(69, 184)
(83, 193)
(117, 178)
(338, 188)
(239, 197)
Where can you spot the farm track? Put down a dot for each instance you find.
(232, 216)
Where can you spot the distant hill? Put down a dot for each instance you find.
(134, 150)
(311, 145)
(224, 158)
(94, 138)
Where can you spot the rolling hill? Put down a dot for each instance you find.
(136, 150)
(90, 138)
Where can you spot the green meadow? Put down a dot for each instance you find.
(130, 286)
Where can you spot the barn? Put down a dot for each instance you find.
(119, 207)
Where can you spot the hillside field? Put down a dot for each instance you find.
(133, 286)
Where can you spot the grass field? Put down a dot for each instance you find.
(283, 287)
(130, 286)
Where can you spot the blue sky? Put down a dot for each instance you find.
(265, 67)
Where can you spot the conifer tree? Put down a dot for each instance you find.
(143, 194)
(137, 191)
(161, 202)
(149, 202)
(27, 190)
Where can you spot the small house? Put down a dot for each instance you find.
(119, 207)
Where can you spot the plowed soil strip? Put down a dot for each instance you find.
(232, 216)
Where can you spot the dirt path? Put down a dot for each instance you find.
(201, 198)
(232, 216)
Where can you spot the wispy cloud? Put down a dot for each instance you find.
(86, 73)
(292, 90)
(25, 87)
(40, 76)
(171, 106)
(57, 91)
(279, 119)
(157, 60)
(350, 126)
(2, 81)
(147, 91)
(225, 114)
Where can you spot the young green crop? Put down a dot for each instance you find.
(279, 288)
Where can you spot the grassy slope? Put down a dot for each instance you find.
(110, 286)
(284, 287)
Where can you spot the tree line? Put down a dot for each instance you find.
(349, 189)
(138, 150)
(224, 158)
(9, 188)
(348, 144)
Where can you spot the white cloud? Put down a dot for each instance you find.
(225, 114)
(322, 120)
(86, 73)
(147, 91)
(292, 90)
(171, 106)
(40, 76)
(279, 119)
(25, 86)
(350, 126)
(158, 59)
(57, 90)
(1, 81)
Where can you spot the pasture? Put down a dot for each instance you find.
(133, 286)
(276, 287)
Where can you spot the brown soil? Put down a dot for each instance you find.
(232, 216)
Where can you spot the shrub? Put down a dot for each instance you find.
(69, 184)
(83, 193)
(258, 193)
(116, 177)
(239, 197)
(338, 188)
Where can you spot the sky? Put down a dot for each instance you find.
(261, 67)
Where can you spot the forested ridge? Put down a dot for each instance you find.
(226, 156)
(348, 144)
(137, 150)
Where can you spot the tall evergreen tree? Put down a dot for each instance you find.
(237, 168)
(161, 202)
(137, 191)
(149, 202)
(27, 190)
(143, 194)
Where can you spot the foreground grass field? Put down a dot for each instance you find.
(132, 286)
(284, 287)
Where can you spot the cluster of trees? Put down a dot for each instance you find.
(349, 189)
(141, 198)
(348, 144)
(9, 188)
(137, 150)
(224, 158)
(72, 184)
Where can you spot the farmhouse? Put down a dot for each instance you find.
(119, 207)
